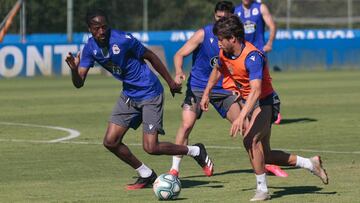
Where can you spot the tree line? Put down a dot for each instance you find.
(44, 16)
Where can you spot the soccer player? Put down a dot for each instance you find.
(255, 16)
(141, 100)
(204, 47)
(245, 65)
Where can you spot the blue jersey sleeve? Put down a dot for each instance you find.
(86, 59)
(254, 64)
(136, 47)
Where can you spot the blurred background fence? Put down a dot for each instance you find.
(44, 16)
(312, 34)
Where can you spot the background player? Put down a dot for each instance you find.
(204, 47)
(240, 61)
(255, 16)
(141, 100)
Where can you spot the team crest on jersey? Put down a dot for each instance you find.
(255, 12)
(95, 52)
(211, 40)
(115, 49)
(239, 13)
(214, 61)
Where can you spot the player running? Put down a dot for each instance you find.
(244, 64)
(141, 101)
(204, 47)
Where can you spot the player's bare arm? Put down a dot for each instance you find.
(239, 124)
(213, 79)
(184, 51)
(162, 70)
(78, 74)
(270, 24)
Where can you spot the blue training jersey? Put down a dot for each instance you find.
(204, 59)
(254, 25)
(123, 59)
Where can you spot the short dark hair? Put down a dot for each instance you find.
(93, 13)
(227, 6)
(227, 27)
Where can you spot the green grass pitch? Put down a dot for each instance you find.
(321, 115)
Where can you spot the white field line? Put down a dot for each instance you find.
(72, 133)
(208, 146)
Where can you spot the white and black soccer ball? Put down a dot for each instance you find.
(167, 187)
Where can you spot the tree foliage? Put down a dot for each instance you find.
(50, 16)
(44, 16)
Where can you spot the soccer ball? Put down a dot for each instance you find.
(167, 187)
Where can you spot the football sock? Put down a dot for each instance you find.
(144, 171)
(176, 163)
(261, 182)
(193, 151)
(304, 163)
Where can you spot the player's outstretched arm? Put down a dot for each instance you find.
(162, 70)
(213, 79)
(78, 74)
(184, 51)
(271, 25)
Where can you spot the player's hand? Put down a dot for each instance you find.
(267, 48)
(72, 61)
(237, 126)
(175, 88)
(180, 77)
(204, 104)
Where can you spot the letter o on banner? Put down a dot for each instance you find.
(17, 65)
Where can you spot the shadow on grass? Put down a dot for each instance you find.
(297, 190)
(197, 183)
(285, 121)
(222, 173)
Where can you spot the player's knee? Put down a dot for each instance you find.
(187, 127)
(151, 148)
(109, 144)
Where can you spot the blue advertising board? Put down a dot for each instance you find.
(43, 54)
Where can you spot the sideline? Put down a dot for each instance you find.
(72, 133)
